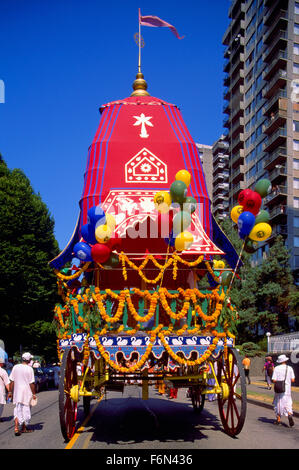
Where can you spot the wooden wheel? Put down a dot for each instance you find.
(67, 385)
(198, 400)
(232, 401)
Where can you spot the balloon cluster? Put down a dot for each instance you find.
(223, 275)
(253, 222)
(97, 244)
(179, 222)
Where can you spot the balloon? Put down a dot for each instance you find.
(162, 201)
(226, 277)
(183, 241)
(103, 233)
(260, 232)
(190, 204)
(178, 191)
(110, 221)
(262, 187)
(181, 221)
(243, 196)
(220, 264)
(100, 253)
(94, 214)
(87, 233)
(183, 175)
(82, 251)
(246, 222)
(114, 243)
(250, 246)
(112, 261)
(252, 203)
(263, 216)
(235, 212)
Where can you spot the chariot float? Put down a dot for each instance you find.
(145, 237)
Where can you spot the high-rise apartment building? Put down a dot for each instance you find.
(220, 194)
(205, 155)
(262, 110)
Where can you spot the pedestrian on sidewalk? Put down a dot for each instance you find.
(4, 386)
(283, 404)
(269, 369)
(246, 364)
(22, 384)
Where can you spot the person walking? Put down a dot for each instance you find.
(268, 369)
(4, 386)
(56, 369)
(246, 364)
(22, 384)
(283, 404)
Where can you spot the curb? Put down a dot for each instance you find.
(267, 405)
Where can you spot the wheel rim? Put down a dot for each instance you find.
(67, 407)
(232, 404)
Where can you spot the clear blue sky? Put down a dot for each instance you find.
(61, 59)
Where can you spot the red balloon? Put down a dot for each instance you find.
(100, 252)
(253, 203)
(243, 195)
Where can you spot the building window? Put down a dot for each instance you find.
(296, 28)
(296, 145)
(296, 48)
(296, 126)
(296, 222)
(296, 68)
(296, 203)
(296, 242)
(296, 164)
(296, 183)
(296, 8)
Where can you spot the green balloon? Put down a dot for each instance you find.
(190, 204)
(112, 261)
(226, 277)
(262, 217)
(181, 221)
(262, 187)
(250, 246)
(178, 191)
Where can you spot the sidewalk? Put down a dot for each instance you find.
(258, 394)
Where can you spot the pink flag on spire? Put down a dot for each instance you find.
(154, 21)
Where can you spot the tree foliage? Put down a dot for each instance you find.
(28, 285)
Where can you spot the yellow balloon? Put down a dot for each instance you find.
(110, 221)
(183, 175)
(183, 241)
(235, 212)
(260, 232)
(103, 233)
(162, 201)
(221, 265)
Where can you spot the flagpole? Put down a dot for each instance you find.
(139, 43)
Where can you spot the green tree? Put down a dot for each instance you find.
(28, 289)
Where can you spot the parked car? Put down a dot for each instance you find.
(49, 371)
(41, 380)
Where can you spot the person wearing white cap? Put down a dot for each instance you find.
(22, 384)
(283, 404)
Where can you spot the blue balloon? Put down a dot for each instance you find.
(82, 251)
(246, 221)
(94, 214)
(87, 233)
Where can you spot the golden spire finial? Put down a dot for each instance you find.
(139, 86)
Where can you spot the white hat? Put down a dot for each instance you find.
(27, 356)
(282, 358)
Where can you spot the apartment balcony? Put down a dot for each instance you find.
(238, 64)
(279, 61)
(278, 196)
(273, 15)
(277, 82)
(237, 110)
(218, 156)
(275, 121)
(235, 189)
(279, 42)
(237, 126)
(279, 25)
(237, 174)
(278, 138)
(237, 159)
(278, 101)
(278, 213)
(226, 80)
(277, 157)
(278, 174)
(221, 187)
(279, 230)
(237, 143)
(236, 80)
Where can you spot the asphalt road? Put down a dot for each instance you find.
(128, 423)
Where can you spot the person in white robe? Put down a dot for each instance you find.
(283, 404)
(22, 384)
(4, 386)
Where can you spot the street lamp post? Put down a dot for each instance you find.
(268, 334)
